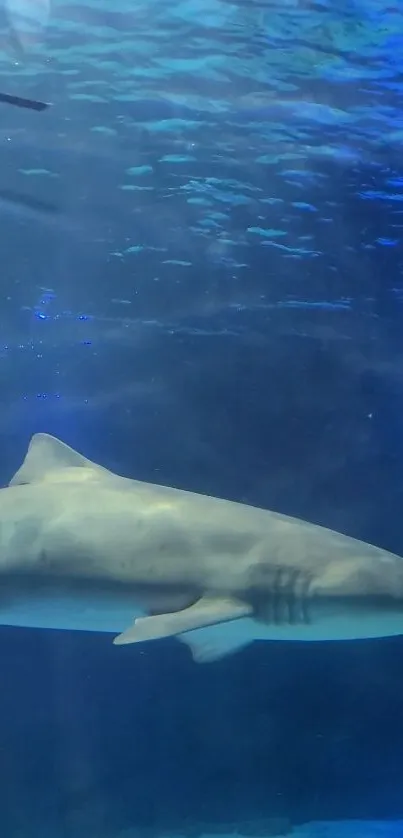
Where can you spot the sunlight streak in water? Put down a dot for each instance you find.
(28, 20)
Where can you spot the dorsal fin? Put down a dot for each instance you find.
(47, 457)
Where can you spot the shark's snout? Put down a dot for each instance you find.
(362, 576)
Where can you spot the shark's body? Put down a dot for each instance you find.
(82, 548)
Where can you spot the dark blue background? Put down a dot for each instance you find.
(295, 409)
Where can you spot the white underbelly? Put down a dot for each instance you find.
(78, 610)
(328, 622)
(112, 612)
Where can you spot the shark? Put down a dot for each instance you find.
(83, 548)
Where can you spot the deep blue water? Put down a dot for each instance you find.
(201, 257)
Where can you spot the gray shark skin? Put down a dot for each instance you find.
(82, 548)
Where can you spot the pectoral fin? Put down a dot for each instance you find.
(205, 612)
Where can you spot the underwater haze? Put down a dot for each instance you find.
(201, 286)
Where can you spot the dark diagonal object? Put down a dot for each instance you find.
(20, 102)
